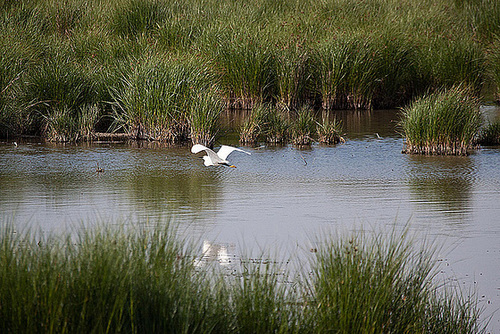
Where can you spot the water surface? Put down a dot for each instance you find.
(279, 197)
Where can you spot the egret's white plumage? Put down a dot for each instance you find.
(216, 159)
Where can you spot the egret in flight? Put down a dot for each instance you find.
(216, 159)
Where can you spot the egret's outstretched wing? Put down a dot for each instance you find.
(198, 148)
(224, 151)
(211, 154)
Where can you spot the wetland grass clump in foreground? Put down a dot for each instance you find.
(102, 281)
(442, 123)
(117, 280)
(383, 283)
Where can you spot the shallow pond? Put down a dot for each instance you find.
(279, 198)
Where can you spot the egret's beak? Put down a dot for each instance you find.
(232, 166)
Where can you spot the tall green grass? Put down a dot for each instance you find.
(247, 70)
(135, 280)
(384, 284)
(490, 134)
(302, 127)
(294, 75)
(204, 109)
(167, 100)
(105, 281)
(332, 55)
(493, 61)
(446, 122)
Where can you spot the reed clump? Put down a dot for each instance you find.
(168, 100)
(127, 280)
(266, 123)
(490, 134)
(254, 125)
(383, 284)
(278, 126)
(204, 110)
(330, 131)
(442, 123)
(303, 126)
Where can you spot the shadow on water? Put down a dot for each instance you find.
(54, 183)
(357, 124)
(442, 184)
(189, 191)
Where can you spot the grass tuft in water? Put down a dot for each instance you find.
(490, 134)
(277, 126)
(443, 123)
(330, 131)
(303, 126)
(254, 125)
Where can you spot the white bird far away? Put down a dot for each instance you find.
(219, 158)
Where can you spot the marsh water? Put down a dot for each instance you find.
(279, 198)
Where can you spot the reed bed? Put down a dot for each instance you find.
(128, 280)
(59, 58)
(247, 70)
(443, 123)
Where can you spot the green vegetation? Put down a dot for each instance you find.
(275, 126)
(303, 126)
(254, 125)
(138, 65)
(443, 123)
(124, 280)
(490, 134)
(382, 284)
(330, 131)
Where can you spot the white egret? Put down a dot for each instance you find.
(219, 158)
